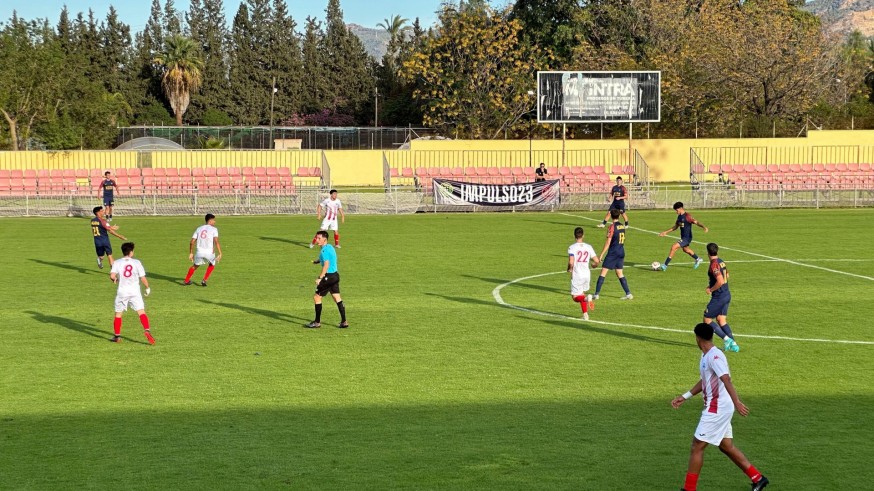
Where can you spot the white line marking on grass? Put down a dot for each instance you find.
(496, 293)
(747, 252)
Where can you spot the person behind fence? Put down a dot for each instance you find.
(619, 194)
(106, 189)
(540, 173)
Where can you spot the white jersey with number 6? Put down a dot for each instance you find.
(205, 235)
(128, 271)
(581, 253)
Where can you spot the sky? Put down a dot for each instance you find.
(135, 13)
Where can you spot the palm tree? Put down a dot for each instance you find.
(394, 26)
(180, 66)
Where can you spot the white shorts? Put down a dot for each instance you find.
(135, 302)
(713, 428)
(200, 259)
(330, 225)
(580, 285)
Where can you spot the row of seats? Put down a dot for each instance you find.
(792, 176)
(159, 180)
(851, 168)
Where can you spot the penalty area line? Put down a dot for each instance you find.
(756, 254)
(496, 293)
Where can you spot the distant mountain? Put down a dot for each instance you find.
(375, 40)
(845, 16)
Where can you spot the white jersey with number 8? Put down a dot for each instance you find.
(128, 271)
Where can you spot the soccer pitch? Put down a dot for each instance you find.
(453, 375)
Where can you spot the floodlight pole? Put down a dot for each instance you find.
(563, 140)
(272, 96)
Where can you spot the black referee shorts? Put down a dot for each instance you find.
(329, 284)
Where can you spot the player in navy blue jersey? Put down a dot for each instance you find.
(684, 223)
(619, 194)
(100, 229)
(716, 313)
(613, 256)
(106, 189)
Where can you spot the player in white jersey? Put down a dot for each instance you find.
(579, 257)
(720, 402)
(205, 238)
(128, 272)
(333, 209)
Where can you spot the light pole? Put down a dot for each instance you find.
(272, 97)
(376, 107)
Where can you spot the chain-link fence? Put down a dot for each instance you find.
(262, 137)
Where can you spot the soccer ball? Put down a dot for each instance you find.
(655, 265)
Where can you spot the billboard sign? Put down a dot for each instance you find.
(598, 97)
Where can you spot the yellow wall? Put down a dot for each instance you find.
(668, 160)
(355, 167)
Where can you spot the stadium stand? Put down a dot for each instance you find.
(577, 178)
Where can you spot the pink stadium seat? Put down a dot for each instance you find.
(121, 172)
(714, 168)
(284, 172)
(18, 174)
(576, 170)
(506, 174)
(773, 168)
(29, 174)
(818, 168)
(407, 172)
(185, 172)
(393, 172)
(841, 167)
(221, 172)
(148, 172)
(794, 168)
(248, 171)
(806, 168)
(5, 189)
(760, 169)
(159, 172)
(493, 171)
(445, 172)
(830, 167)
(4, 174)
(237, 172)
(589, 170)
(864, 167)
(853, 167)
(197, 172)
(211, 171)
(481, 172)
(316, 171)
(421, 172)
(171, 172)
(457, 172)
(303, 172)
(518, 171)
(618, 169)
(133, 172)
(564, 171)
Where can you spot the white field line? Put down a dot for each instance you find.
(789, 261)
(496, 293)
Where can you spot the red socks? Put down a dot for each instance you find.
(336, 238)
(208, 272)
(691, 482)
(753, 473)
(116, 325)
(190, 274)
(581, 299)
(314, 238)
(144, 320)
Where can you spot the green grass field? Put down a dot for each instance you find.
(436, 385)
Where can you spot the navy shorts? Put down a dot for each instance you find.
(684, 242)
(108, 201)
(614, 262)
(103, 247)
(619, 205)
(717, 306)
(329, 284)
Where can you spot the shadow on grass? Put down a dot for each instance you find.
(169, 279)
(77, 326)
(615, 331)
(287, 241)
(71, 267)
(272, 314)
(497, 281)
(590, 443)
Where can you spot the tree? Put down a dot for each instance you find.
(285, 64)
(206, 24)
(314, 81)
(476, 74)
(347, 66)
(181, 72)
(551, 24)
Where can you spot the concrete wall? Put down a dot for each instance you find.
(668, 160)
